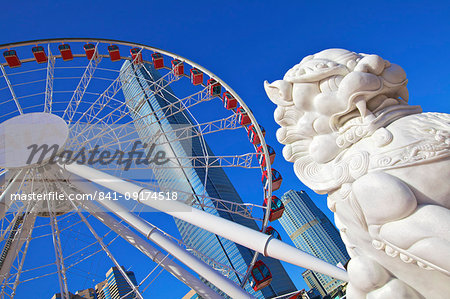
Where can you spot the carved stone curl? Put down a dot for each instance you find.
(347, 127)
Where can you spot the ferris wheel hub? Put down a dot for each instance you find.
(31, 139)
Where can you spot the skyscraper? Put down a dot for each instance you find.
(313, 282)
(115, 286)
(118, 287)
(312, 231)
(146, 103)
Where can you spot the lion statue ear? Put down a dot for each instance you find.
(279, 92)
(371, 64)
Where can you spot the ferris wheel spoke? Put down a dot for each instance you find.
(83, 84)
(49, 82)
(249, 161)
(22, 258)
(102, 101)
(199, 130)
(59, 258)
(58, 254)
(107, 95)
(187, 132)
(123, 109)
(12, 250)
(157, 86)
(13, 94)
(14, 187)
(108, 252)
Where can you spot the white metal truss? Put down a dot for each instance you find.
(102, 101)
(189, 132)
(249, 160)
(49, 83)
(13, 253)
(161, 84)
(108, 253)
(13, 94)
(58, 253)
(242, 209)
(20, 258)
(79, 92)
(169, 110)
(122, 110)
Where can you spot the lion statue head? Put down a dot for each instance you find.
(327, 96)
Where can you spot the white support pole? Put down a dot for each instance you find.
(18, 240)
(49, 83)
(157, 256)
(237, 233)
(19, 108)
(154, 235)
(12, 188)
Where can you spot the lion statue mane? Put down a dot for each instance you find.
(347, 127)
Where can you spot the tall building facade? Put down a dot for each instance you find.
(115, 286)
(146, 103)
(313, 282)
(313, 232)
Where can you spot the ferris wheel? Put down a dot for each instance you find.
(95, 134)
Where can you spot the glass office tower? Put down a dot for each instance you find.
(115, 286)
(145, 103)
(312, 231)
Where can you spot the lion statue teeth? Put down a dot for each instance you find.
(347, 127)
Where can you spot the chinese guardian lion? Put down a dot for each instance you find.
(347, 127)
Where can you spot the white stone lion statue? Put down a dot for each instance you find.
(346, 125)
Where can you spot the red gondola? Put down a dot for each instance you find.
(276, 179)
(66, 52)
(260, 276)
(196, 76)
(12, 59)
(177, 67)
(273, 232)
(229, 101)
(243, 117)
(253, 136)
(89, 49)
(158, 61)
(114, 53)
(39, 54)
(276, 208)
(262, 158)
(214, 88)
(136, 54)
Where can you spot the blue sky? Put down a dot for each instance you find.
(247, 42)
